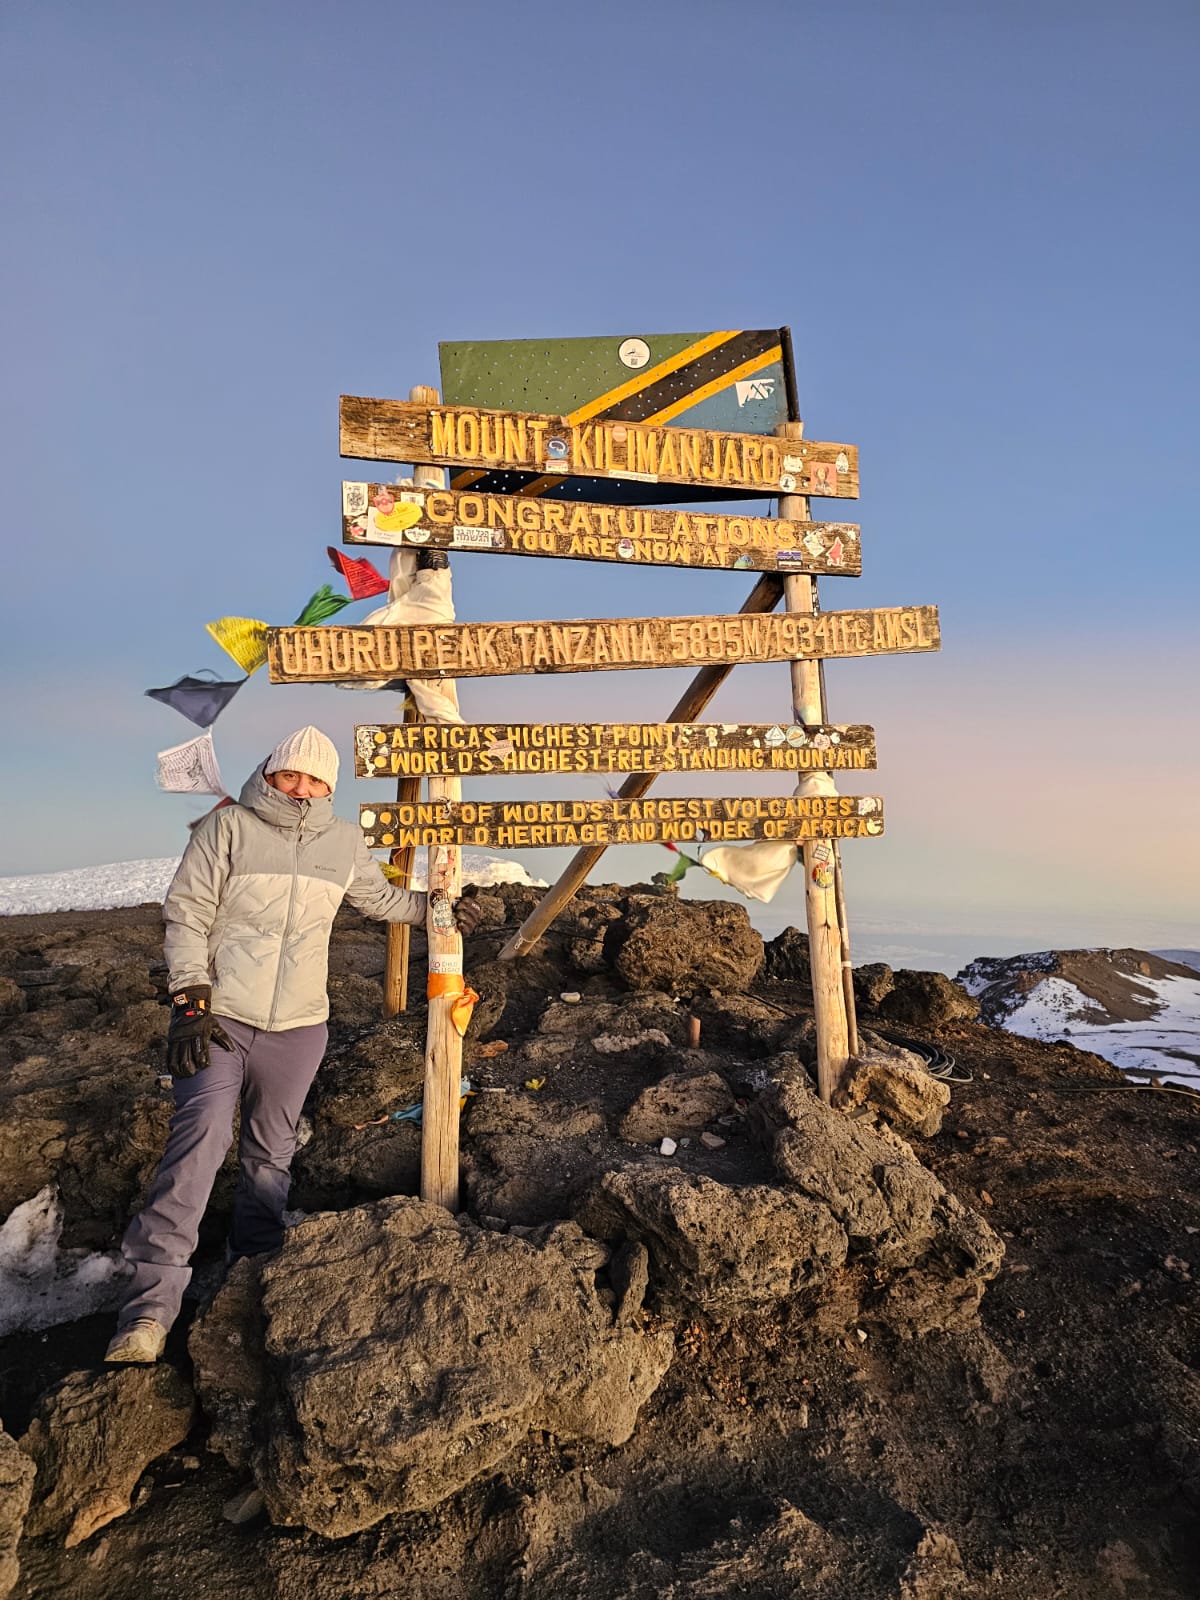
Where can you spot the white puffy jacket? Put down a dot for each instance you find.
(252, 903)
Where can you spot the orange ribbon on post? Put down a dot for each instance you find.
(453, 983)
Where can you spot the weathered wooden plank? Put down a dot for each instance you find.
(533, 824)
(407, 750)
(341, 653)
(397, 430)
(516, 525)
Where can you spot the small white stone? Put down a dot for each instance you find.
(861, 1335)
(572, 997)
(712, 1141)
(667, 1147)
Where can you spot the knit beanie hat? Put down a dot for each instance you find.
(306, 750)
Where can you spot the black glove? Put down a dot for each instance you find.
(468, 914)
(191, 1027)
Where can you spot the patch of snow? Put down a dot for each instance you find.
(1166, 1045)
(136, 883)
(42, 1285)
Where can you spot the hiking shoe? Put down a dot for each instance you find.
(142, 1342)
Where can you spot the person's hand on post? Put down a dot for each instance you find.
(190, 1029)
(468, 914)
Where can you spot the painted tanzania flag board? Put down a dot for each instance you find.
(734, 381)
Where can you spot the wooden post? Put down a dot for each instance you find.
(395, 976)
(763, 597)
(443, 1042)
(820, 895)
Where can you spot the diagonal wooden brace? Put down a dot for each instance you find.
(765, 596)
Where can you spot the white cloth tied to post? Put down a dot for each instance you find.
(758, 870)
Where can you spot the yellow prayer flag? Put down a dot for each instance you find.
(243, 638)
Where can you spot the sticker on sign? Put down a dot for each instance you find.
(464, 538)
(748, 389)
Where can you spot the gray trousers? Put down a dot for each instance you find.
(270, 1074)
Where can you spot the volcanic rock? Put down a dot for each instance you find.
(712, 1246)
(407, 1352)
(872, 981)
(93, 1436)
(528, 1155)
(684, 946)
(226, 1347)
(681, 1103)
(787, 958)
(16, 1487)
(926, 1000)
(896, 1085)
(930, 1256)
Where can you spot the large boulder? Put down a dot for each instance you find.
(926, 1000)
(711, 1246)
(682, 946)
(926, 1257)
(16, 1487)
(93, 1436)
(406, 1352)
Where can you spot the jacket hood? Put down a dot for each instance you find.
(279, 809)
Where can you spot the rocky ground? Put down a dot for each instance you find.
(903, 1349)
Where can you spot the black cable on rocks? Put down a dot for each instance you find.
(938, 1063)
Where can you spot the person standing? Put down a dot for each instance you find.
(248, 917)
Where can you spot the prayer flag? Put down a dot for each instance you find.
(362, 578)
(191, 768)
(244, 638)
(320, 606)
(200, 699)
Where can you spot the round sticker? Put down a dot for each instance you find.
(556, 449)
(822, 875)
(633, 352)
(625, 548)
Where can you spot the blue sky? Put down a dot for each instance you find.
(978, 221)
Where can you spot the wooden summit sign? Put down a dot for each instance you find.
(405, 749)
(399, 430)
(532, 824)
(341, 653)
(516, 525)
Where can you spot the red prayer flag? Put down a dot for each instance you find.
(361, 577)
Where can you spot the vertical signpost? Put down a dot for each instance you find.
(583, 484)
